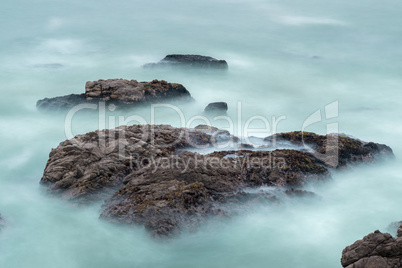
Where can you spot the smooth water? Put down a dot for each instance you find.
(287, 60)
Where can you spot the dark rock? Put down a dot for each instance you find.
(376, 250)
(120, 92)
(190, 187)
(246, 146)
(216, 107)
(299, 193)
(147, 178)
(335, 150)
(189, 61)
(93, 166)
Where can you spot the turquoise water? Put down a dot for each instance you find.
(287, 59)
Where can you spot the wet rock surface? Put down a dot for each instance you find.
(120, 92)
(376, 250)
(189, 61)
(146, 176)
(92, 166)
(335, 150)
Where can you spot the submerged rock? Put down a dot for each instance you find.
(147, 177)
(189, 61)
(120, 92)
(216, 108)
(376, 250)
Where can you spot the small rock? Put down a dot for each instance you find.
(189, 61)
(120, 92)
(376, 250)
(246, 146)
(216, 108)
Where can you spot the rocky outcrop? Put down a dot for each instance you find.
(216, 108)
(376, 250)
(335, 150)
(147, 177)
(183, 190)
(120, 92)
(92, 166)
(189, 61)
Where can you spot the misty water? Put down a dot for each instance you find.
(287, 59)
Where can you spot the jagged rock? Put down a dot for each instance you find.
(376, 250)
(92, 166)
(147, 177)
(120, 92)
(216, 108)
(185, 189)
(335, 150)
(189, 61)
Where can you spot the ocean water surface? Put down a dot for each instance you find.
(287, 60)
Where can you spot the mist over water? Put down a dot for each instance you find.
(286, 58)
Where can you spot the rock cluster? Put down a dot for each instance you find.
(376, 250)
(146, 176)
(120, 92)
(189, 61)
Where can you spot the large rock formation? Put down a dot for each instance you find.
(92, 166)
(189, 61)
(120, 92)
(335, 150)
(376, 250)
(147, 176)
(184, 189)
